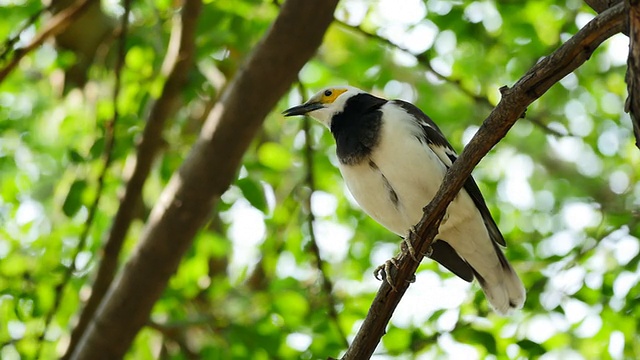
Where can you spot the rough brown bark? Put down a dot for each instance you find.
(204, 176)
(601, 5)
(514, 102)
(178, 62)
(632, 105)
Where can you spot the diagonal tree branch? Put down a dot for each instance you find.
(7, 47)
(632, 105)
(601, 5)
(107, 155)
(206, 173)
(514, 102)
(424, 60)
(56, 25)
(178, 61)
(327, 284)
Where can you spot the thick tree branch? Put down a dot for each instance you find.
(207, 172)
(601, 5)
(514, 102)
(632, 105)
(178, 61)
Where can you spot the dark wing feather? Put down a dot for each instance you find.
(472, 189)
(444, 254)
(436, 140)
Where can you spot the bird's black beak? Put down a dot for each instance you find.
(303, 109)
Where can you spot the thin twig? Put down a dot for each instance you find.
(56, 25)
(514, 102)
(327, 284)
(632, 104)
(107, 156)
(423, 59)
(550, 131)
(178, 61)
(12, 40)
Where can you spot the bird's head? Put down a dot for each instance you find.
(326, 103)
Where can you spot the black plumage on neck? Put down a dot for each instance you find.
(357, 128)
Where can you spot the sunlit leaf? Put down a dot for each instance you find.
(254, 192)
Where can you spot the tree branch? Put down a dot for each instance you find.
(7, 47)
(107, 156)
(514, 102)
(327, 284)
(632, 105)
(423, 59)
(601, 5)
(206, 173)
(56, 25)
(178, 62)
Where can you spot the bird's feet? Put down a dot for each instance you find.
(406, 247)
(383, 272)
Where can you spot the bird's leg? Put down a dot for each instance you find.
(406, 247)
(429, 252)
(383, 272)
(385, 269)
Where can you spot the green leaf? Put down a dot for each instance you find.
(469, 335)
(97, 148)
(254, 193)
(275, 156)
(486, 339)
(73, 202)
(531, 347)
(75, 156)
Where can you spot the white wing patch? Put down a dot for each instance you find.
(443, 154)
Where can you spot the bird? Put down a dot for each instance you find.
(393, 158)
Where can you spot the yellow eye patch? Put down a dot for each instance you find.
(330, 95)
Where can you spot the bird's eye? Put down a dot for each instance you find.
(327, 93)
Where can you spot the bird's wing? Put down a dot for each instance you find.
(441, 147)
(445, 255)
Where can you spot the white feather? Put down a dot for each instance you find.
(415, 171)
(403, 166)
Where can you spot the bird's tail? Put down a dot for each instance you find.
(503, 288)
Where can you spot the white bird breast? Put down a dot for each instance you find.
(415, 173)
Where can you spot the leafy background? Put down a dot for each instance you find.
(563, 186)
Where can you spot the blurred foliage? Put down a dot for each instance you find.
(250, 287)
